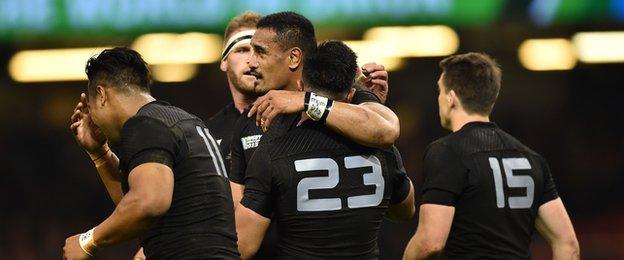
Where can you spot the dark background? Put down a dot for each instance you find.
(49, 189)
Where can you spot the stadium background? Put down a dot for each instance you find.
(561, 95)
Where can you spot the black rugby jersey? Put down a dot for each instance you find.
(221, 127)
(200, 222)
(496, 185)
(326, 194)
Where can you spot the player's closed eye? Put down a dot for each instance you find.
(242, 50)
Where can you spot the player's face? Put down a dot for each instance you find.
(444, 106)
(102, 113)
(268, 62)
(237, 68)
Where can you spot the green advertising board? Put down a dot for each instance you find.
(88, 18)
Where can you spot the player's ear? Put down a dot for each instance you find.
(223, 65)
(350, 95)
(295, 58)
(101, 95)
(452, 99)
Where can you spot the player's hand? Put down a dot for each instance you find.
(88, 135)
(140, 255)
(72, 249)
(274, 103)
(376, 80)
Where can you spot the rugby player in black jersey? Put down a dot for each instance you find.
(484, 191)
(280, 43)
(246, 134)
(236, 52)
(168, 183)
(326, 194)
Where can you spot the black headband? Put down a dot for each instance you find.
(229, 47)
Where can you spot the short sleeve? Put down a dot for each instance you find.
(145, 139)
(238, 164)
(550, 190)
(445, 176)
(363, 96)
(401, 183)
(258, 186)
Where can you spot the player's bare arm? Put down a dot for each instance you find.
(149, 197)
(237, 193)
(251, 228)
(405, 209)
(554, 224)
(90, 137)
(378, 126)
(434, 225)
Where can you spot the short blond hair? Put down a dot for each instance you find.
(248, 19)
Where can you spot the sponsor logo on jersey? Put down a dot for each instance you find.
(251, 141)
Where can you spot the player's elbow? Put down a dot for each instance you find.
(382, 123)
(246, 249)
(567, 248)
(431, 249)
(424, 249)
(389, 135)
(152, 206)
(383, 135)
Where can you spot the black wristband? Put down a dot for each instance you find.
(330, 104)
(306, 101)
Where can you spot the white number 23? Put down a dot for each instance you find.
(375, 177)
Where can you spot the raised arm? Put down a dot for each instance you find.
(90, 138)
(369, 123)
(554, 224)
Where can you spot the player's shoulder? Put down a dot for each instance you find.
(224, 115)
(165, 112)
(246, 124)
(516, 144)
(479, 137)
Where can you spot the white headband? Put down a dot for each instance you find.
(238, 38)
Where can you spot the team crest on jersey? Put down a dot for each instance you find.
(251, 141)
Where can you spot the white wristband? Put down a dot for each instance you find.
(316, 106)
(86, 242)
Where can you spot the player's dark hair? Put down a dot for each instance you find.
(475, 78)
(330, 71)
(291, 29)
(119, 67)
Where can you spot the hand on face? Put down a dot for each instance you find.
(87, 134)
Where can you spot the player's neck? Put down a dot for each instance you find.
(131, 105)
(292, 84)
(462, 118)
(240, 100)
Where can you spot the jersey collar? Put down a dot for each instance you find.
(479, 124)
